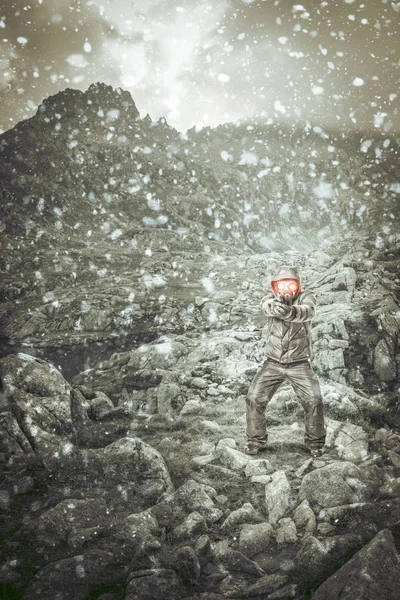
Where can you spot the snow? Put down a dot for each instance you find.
(77, 60)
(279, 107)
(208, 284)
(379, 118)
(116, 234)
(226, 156)
(248, 158)
(358, 81)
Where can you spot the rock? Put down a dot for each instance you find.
(325, 528)
(319, 557)
(236, 561)
(192, 407)
(216, 470)
(229, 368)
(233, 459)
(75, 576)
(226, 443)
(255, 538)
(68, 517)
(277, 495)
(193, 524)
(258, 467)
(221, 499)
(304, 468)
(133, 535)
(384, 363)
(245, 514)
(200, 461)
(326, 360)
(37, 405)
(265, 585)
(285, 593)
(190, 497)
(263, 479)
(199, 383)
(153, 584)
(286, 532)
(167, 392)
(394, 458)
(100, 406)
(206, 596)
(334, 484)
(352, 443)
(213, 392)
(23, 485)
(304, 517)
(186, 564)
(202, 547)
(232, 584)
(374, 572)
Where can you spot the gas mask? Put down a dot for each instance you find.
(286, 289)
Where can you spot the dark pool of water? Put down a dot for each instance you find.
(72, 360)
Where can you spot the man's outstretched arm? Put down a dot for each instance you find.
(305, 311)
(266, 304)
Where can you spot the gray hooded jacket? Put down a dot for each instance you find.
(289, 336)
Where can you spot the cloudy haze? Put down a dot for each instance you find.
(334, 64)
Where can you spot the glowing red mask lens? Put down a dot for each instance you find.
(286, 286)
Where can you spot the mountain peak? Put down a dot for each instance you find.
(98, 98)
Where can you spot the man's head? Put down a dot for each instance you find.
(286, 283)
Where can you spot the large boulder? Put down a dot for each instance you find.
(36, 405)
(127, 472)
(373, 573)
(336, 483)
(65, 522)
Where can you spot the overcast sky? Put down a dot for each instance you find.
(333, 63)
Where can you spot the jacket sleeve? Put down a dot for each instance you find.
(266, 301)
(302, 312)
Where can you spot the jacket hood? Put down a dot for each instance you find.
(286, 272)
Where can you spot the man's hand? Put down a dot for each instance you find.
(280, 309)
(285, 298)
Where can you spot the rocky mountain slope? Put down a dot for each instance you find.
(133, 261)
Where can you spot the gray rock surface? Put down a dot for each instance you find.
(277, 496)
(255, 538)
(334, 484)
(374, 572)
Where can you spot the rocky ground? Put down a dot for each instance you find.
(130, 481)
(126, 359)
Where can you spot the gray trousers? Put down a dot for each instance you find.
(305, 385)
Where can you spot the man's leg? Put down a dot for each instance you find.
(262, 388)
(306, 386)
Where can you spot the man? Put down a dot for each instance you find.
(289, 311)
